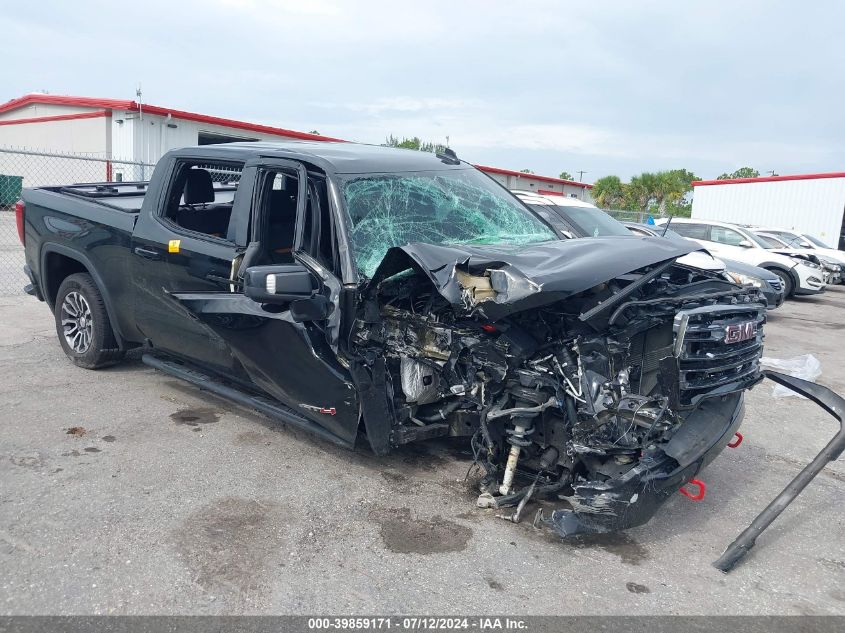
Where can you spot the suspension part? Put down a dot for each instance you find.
(522, 427)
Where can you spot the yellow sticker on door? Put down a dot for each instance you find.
(173, 246)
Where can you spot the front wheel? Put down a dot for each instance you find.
(83, 325)
(786, 280)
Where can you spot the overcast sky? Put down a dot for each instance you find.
(605, 87)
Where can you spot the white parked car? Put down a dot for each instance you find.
(799, 277)
(795, 239)
(571, 218)
(831, 269)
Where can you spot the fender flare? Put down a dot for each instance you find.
(70, 253)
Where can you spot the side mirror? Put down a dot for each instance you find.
(282, 283)
(287, 284)
(805, 245)
(568, 235)
(746, 244)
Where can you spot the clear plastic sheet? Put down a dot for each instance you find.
(449, 207)
(806, 367)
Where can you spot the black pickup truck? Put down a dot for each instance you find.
(394, 295)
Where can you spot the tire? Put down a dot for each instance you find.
(83, 325)
(786, 280)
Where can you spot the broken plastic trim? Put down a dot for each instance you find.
(833, 404)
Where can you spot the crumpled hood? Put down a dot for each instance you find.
(528, 275)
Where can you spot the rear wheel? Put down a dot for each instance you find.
(83, 325)
(786, 280)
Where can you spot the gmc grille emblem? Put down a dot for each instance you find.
(740, 332)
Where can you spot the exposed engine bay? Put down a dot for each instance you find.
(608, 399)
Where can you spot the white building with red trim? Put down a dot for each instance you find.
(809, 203)
(116, 129)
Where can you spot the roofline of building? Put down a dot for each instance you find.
(94, 114)
(122, 104)
(521, 174)
(125, 104)
(736, 181)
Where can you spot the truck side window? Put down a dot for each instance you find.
(278, 200)
(319, 234)
(201, 197)
(278, 196)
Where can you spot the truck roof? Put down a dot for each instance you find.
(340, 157)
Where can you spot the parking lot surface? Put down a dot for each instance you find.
(124, 491)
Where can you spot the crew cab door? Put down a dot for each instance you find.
(185, 241)
(287, 344)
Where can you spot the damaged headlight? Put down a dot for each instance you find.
(745, 280)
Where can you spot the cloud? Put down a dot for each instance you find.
(546, 85)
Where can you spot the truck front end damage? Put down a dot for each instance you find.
(596, 374)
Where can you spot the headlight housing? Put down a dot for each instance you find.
(745, 280)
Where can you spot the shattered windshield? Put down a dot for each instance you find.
(433, 207)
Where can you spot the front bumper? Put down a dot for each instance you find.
(774, 298)
(809, 291)
(633, 498)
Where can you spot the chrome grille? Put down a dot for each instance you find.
(706, 361)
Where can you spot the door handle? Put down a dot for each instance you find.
(147, 253)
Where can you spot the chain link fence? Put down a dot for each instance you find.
(20, 168)
(628, 216)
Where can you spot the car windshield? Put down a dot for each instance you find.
(790, 240)
(590, 222)
(671, 234)
(770, 242)
(662, 231)
(750, 235)
(815, 241)
(461, 206)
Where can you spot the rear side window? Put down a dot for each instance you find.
(201, 197)
(692, 231)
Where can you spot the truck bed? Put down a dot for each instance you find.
(125, 196)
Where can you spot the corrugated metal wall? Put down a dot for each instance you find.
(527, 183)
(810, 206)
(146, 140)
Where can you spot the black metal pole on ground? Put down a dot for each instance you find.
(833, 404)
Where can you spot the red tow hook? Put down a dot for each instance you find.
(737, 441)
(702, 490)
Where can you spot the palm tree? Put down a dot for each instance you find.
(609, 192)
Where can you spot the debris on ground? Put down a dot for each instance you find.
(805, 367)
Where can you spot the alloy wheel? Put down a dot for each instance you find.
(77, 325)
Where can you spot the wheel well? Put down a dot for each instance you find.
(792, 275)
(57, 268)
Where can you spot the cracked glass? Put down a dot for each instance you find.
(433, 207)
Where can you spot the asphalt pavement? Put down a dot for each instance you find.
(124, 491)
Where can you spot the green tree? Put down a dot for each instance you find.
(742, 172)
(662, 193)
(413, 143)
(565, 175)
(314, 132)
(526, 171)
(609, 192)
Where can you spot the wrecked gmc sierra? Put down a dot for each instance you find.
(398, 295)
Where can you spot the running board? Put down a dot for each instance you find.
(274, 410)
